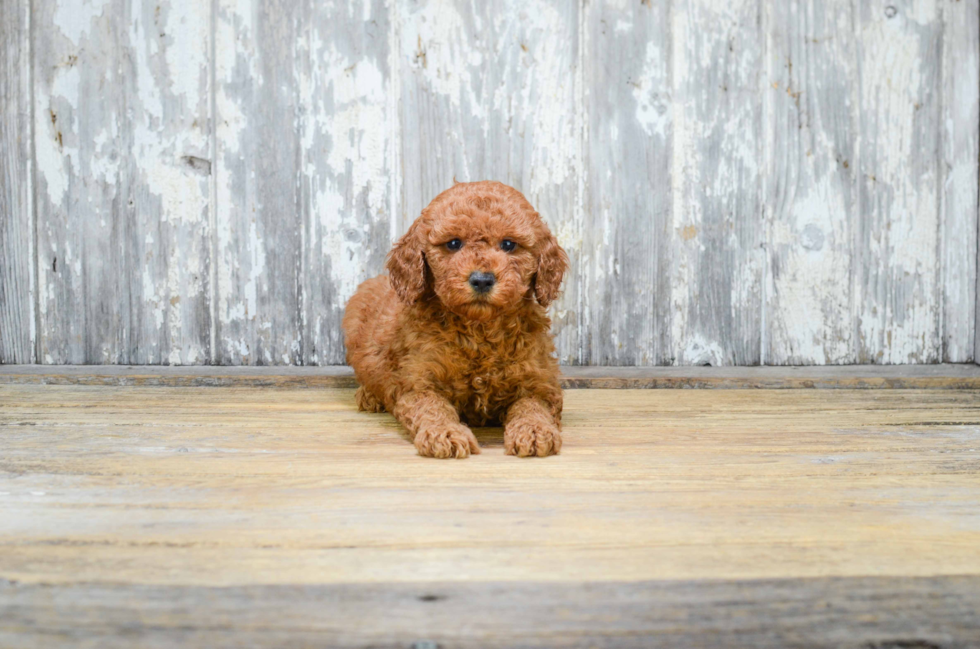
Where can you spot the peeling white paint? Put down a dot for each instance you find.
(231, 126)
(652, 93)
(508, 85)
(715, 176)
(345, 131)
(73, 19)
(439, 48)
(555, 152)
(697, 350)
(187, 29)
(813, 282)
(56, 153)
(900, 325)
(256, 248)
(114, 120)
(961, 139)
(357, 128)
(684, 172)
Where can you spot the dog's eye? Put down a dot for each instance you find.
(455, 244)
(508, 246)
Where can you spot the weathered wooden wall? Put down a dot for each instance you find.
(17, 332)
(737, 182)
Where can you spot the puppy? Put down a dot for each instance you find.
(457, 332)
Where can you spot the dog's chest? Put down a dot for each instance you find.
(493, 373)
(492, 362)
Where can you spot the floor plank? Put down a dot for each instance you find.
(161, 497)
(838, 613)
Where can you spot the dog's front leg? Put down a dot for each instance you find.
(530, 429)
(435, 425)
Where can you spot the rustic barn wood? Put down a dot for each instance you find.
(230, 516)
(348, 131)
(122, 148)
(17, 333)
(259, 215)
(303, 174)
(810, 175)
(628, 241)
(959, 167)
(737, 182)
(817, 613)
(897, 279)
(717, 70)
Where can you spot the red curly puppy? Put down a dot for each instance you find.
(457, 332)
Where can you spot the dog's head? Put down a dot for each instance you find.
(482, 249)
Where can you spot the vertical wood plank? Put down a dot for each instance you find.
(17, 334)
(625, 267)
(259, 158)
(442, 56)
(122, 154)
(303, 185)
(897, 277)
(961, 149)
(346, 176)
(717, 215)
(488, 92)
(810, 165)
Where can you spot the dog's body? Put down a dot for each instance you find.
(458, 328)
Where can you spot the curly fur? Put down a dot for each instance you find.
(437, 355)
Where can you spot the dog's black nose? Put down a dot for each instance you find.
(482, 282)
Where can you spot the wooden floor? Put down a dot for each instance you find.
(243, 516)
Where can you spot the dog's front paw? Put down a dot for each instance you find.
(532, 436)
(454, 440)
(367, 401)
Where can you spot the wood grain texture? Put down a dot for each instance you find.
(346, 179)
(303, 184)
(960, 195)
(836, 613)
(735, 182)
(225, 487)
(905, 377)
(122, 153)
(625, 265)
(716, 173)
(488, 92)
(259, 223)
(897, 280)
(17, 322)
(229, 516)
(811, 187)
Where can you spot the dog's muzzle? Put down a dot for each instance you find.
(482, 282)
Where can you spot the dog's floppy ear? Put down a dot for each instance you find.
(406, 265)
(552, 264)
